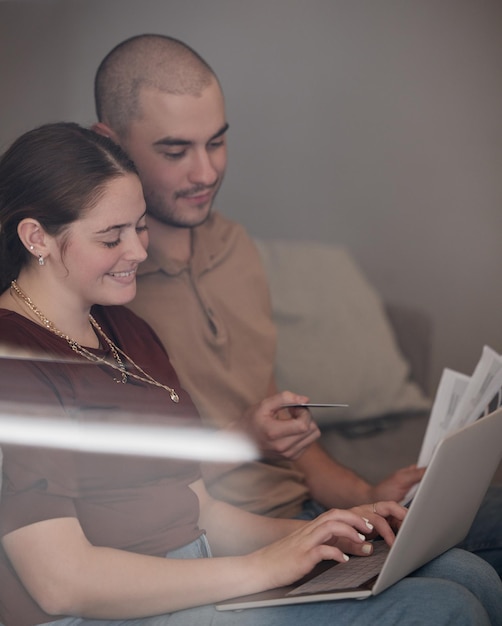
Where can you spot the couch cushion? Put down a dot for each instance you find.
(335, 342)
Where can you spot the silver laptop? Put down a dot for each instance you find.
(439, 516)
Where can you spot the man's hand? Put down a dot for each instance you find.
(397, 485)
(280, 433)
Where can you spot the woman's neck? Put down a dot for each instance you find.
(50, 308)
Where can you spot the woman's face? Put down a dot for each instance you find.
(103, 249)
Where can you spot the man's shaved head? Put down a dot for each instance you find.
(145, 61)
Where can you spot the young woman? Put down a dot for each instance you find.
(85, 537)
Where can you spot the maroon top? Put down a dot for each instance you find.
(138, 504)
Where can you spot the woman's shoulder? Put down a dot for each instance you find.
(20, 337)
(12, 324)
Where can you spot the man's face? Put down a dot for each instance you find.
(179, 148)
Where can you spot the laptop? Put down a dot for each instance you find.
(439, 516)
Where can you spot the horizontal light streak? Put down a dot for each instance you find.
(170, 441)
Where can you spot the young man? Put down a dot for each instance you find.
(203, 288)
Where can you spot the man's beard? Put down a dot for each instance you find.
(162, 212)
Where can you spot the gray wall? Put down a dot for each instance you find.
(372, 123)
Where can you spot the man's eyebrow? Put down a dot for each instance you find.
(108, 229)
(221, 132)
(175, 141)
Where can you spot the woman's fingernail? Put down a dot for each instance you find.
(361, 537)
(345, 557)
(367, 548)
(370, 526)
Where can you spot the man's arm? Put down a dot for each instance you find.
(291, 434)
(334, 485)
(278, 433)
(330, 483)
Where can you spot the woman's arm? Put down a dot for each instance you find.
(231, 530)
(66, 575)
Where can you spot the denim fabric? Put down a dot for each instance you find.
(485, 535)
(310, 510)
(456, 589)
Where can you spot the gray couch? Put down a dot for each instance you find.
(339, 342)
(375, 447)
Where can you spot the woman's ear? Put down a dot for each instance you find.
(33, 237)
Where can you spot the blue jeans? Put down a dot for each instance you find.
(456, 589)
(484, 537)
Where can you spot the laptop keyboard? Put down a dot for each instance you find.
(358, 570)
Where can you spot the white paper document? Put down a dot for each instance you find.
(450, 391)
(461, 400)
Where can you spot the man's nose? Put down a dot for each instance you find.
(203, 170)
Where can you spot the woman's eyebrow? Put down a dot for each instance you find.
(118, 226)
(110, 228)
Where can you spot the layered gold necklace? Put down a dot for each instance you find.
(118, 355)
